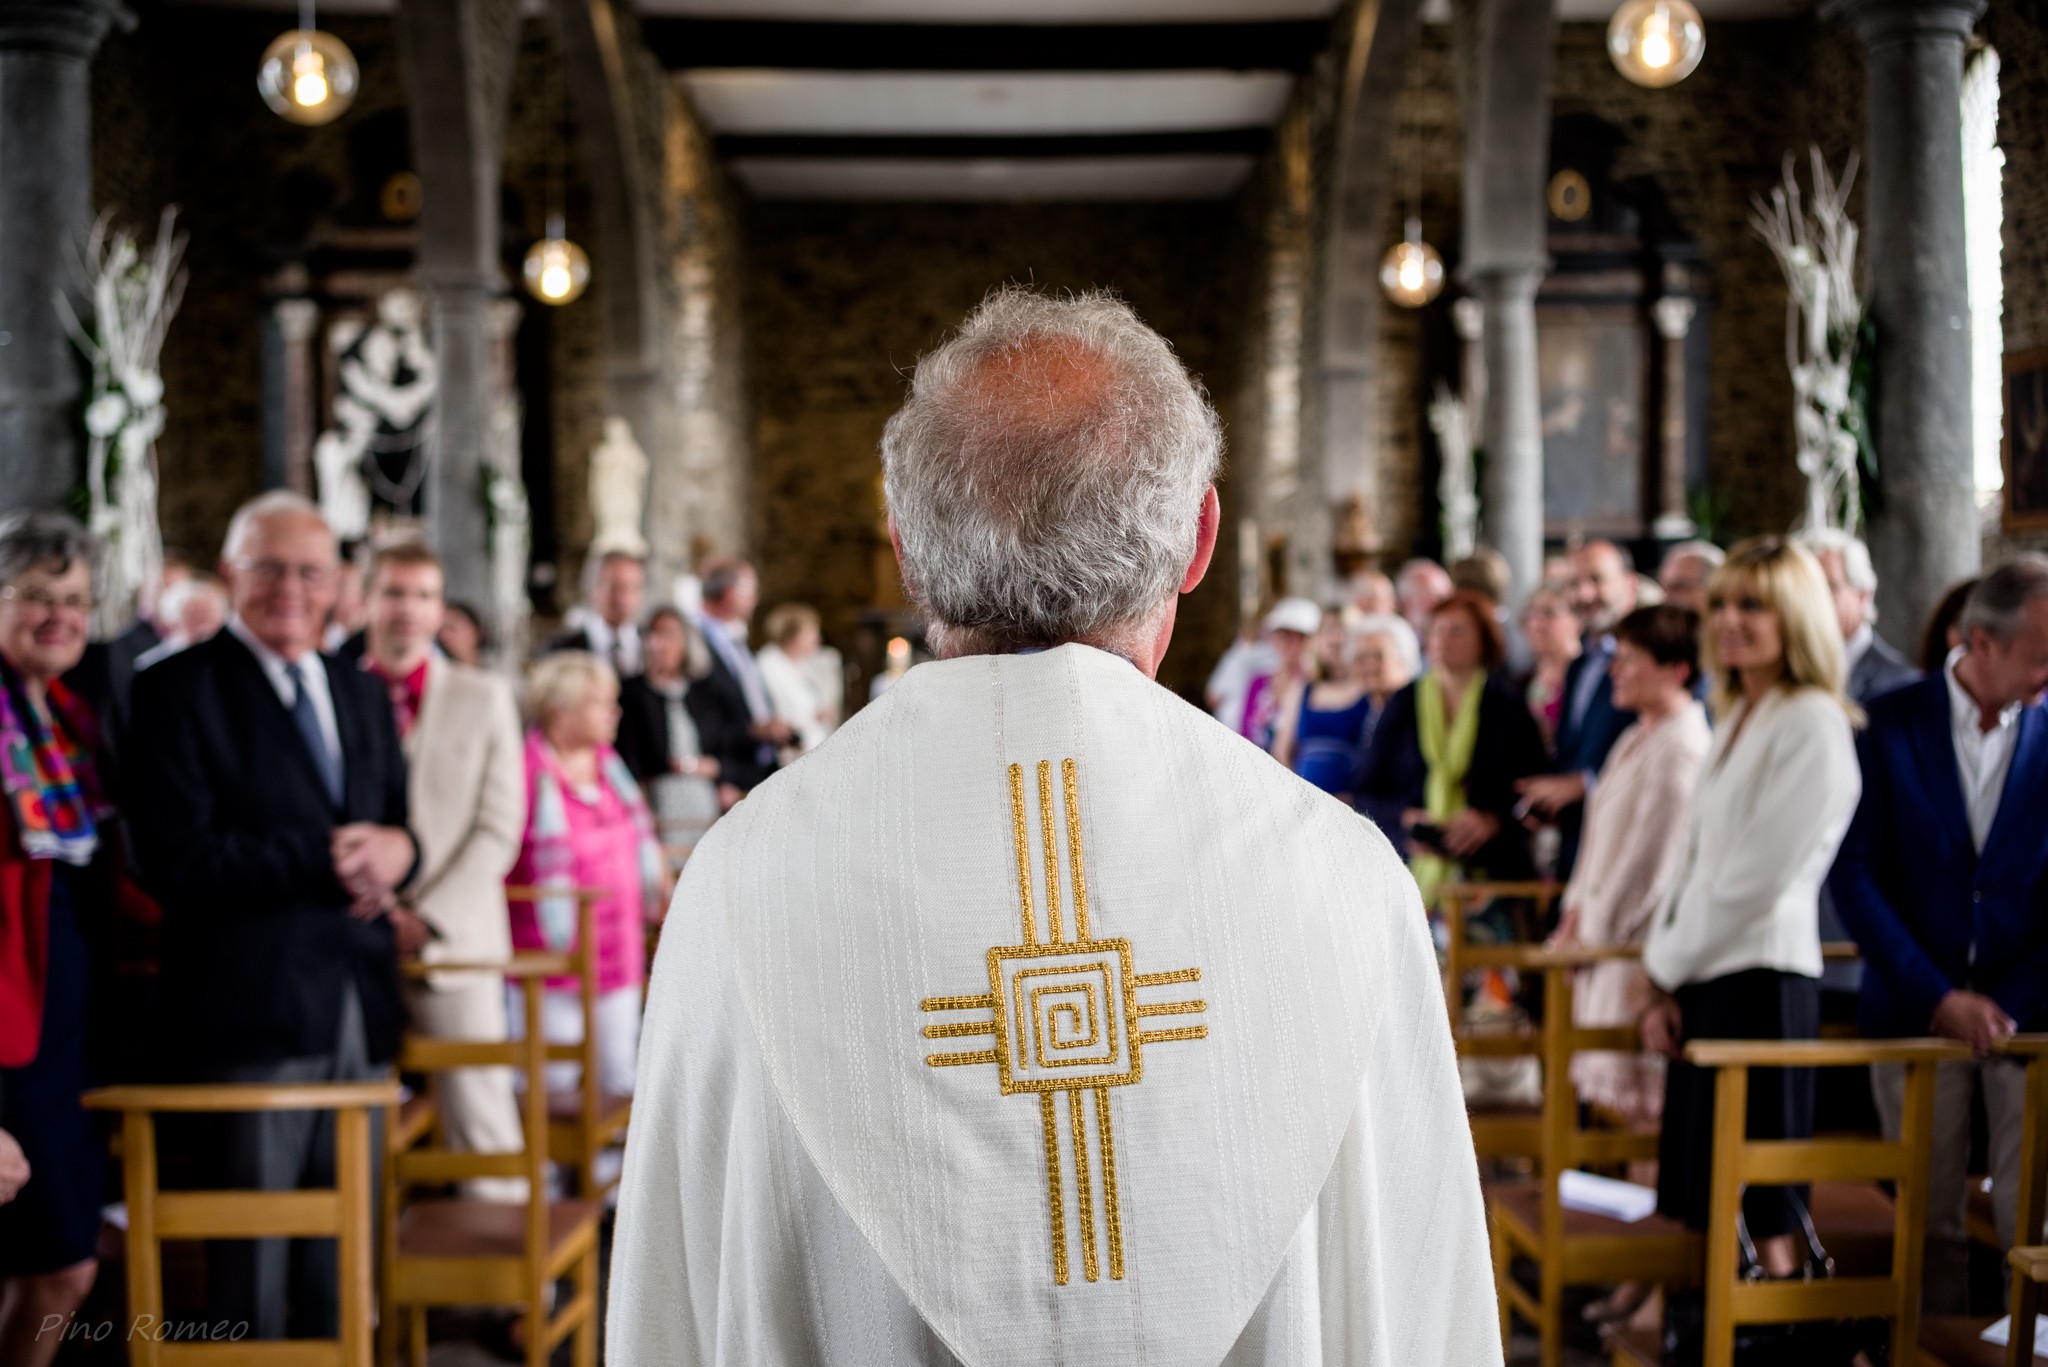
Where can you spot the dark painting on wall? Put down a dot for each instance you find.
(1592, 368)
(2026, 442)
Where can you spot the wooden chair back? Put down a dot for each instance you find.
(582, 1126)
(1457, 903)
(340, 1212)
(1740, 1161)
(1510, 1132)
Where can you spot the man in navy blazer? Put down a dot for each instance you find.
(1603, 592)
(1943, 882)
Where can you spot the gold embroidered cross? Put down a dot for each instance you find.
(1065, 1017)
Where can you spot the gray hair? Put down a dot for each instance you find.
(1856, 566)
(1047, 472)
(1706, 552)
(2002, 595)
(1396, 630)
(34, 537)
(277, 502)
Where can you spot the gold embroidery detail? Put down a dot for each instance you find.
(1052, 1186)
(1064, 1015)
(1023, 851)
(1089, 1266)
(1070, 775)
(1109, 1206)
(1052, 858)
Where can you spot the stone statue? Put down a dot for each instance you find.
(338, 466)
(618, 488)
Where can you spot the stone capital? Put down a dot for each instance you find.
(1505, 281)
(67, 28)
(1879, 23)
(296, 318)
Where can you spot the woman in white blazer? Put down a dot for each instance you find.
(1735, 951)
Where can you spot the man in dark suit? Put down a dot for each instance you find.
(1874, 667)
(1943, 881)
(1603, 592)
(738, 722)
(611, 616)
(105, 676)
(268, 794)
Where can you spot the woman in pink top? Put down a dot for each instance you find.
(587, 827)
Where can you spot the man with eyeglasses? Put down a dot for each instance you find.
(269, 794)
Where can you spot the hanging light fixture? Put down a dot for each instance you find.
(1656, 42)
(556, 270)
(1411, 272)
(307, 76)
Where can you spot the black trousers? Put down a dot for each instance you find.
(1758, 1003)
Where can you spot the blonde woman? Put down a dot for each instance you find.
(795, 634)
(1734, 953)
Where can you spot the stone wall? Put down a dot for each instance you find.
(841, 299)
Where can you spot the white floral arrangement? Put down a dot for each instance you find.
(133, 298)
(1457, 492)
(1814, 241)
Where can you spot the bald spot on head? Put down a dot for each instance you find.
(1043, 382)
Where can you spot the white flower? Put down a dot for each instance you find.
(104, 415)
(145, 387)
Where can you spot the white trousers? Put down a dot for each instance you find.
(479, 1113)
(1945, 1286)
(618, 1036)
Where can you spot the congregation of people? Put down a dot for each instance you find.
(1726, 767)
(229, 825)
(287, 790)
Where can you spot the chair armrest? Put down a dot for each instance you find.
(1820, 1053)
(245, 1096)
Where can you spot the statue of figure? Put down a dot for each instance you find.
(338, 466)
(618, 487)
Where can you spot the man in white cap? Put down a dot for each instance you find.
(1034, 1017)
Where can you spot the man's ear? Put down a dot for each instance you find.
(1208, 525)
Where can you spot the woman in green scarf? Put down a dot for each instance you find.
(1440, 775)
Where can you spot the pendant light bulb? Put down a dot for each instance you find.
(556, 270)
(1412, 273)
(308, 76)
(1656, 43)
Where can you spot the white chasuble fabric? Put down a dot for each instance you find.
(1037, 1019)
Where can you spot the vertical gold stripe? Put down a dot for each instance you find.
(1081, 1187)
(1052, 1189)
(1023, 852)
(1109, 1206)
(1050, 830)
(1068, 772)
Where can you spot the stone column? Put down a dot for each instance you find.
(458, 57)
(1673, 317)
(1506, 48)
(46, 49)
(1926, 536)
(298, 419)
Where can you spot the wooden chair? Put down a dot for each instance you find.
(585, 1120)
(1498, 1130)
(1740, 1161)
(1574, 1248)
(447, 1251)
(1957, 1340)
(340, 1212)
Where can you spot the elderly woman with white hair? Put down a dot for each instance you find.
(588, 826)
(1331, 721)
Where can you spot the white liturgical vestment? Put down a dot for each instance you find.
(1035, 1018)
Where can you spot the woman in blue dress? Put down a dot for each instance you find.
(1333, 718)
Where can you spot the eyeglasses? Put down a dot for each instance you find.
(271, 573)
(48, 604)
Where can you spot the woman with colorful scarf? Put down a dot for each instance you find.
(1439, 777)
(53, 819)
(588, 826)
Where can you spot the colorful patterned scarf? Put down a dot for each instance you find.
(554, 860)
(51, 785)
